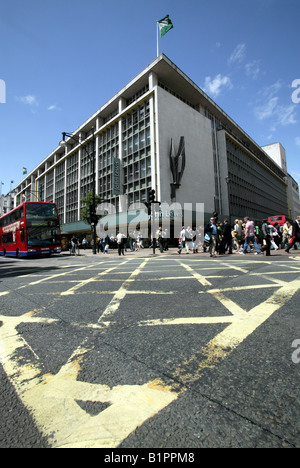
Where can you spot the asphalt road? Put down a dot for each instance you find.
(172, 351)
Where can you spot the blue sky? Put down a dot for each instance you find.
(61, 60)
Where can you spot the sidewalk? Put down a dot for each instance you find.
(173, 251)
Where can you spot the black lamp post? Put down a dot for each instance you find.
(92, 158)
(228, 180)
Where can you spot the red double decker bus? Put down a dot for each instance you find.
(32, 228)
(279, 219)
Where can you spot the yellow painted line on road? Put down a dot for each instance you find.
(230, 305)
(236, 333)
(231, 265)
(187, 321)
(202, 280)
(187, 277)
(121, 293)
(83, 283)
(240, 288)
(48, 278)
(243, 325)
(57, 275)
(53, 400)
(268, 273)
(133, 292)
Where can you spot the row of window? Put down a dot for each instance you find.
(136, 165)
(12, 217)
(251, 188)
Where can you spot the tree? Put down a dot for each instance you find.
(87, 210)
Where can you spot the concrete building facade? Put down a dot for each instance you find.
(277, 152)
(158, 113)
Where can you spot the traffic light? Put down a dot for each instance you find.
(152, 196)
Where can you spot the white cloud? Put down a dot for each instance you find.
(267, 109)
(252, 69)
(214, 86)
(271, 90)
(238, 54)
(53, 107)
(271, 107)
(295, 175)
(297, 141)
(286, 115)
(29, 100)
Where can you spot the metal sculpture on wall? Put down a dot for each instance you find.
(177, 163)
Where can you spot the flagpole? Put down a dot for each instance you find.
(157, 49)
(163, 26)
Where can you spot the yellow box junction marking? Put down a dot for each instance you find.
(52, 399)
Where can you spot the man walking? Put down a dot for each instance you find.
(266, 238)
(211, 228)
(121, 239)
(226, 242)
(250, 236)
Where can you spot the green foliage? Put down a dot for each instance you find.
(88, 201)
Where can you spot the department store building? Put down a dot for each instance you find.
(161, 132)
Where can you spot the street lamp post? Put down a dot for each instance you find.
(92, 158)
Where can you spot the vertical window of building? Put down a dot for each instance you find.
(41, 192)
(137, 153)
(108, 153)
(59, 188)
(49, 186)
(72, 188)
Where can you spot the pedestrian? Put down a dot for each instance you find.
(266, 238)
(250, 236)
(199, 239)
(211, 229)
(74, 245)
(286, 234)
(188, 239)
(219, 235)
(105, 244)
(277, 235)
(226, 241)
(121, 239)
(182, 237)
(273, 235)
(180, 245)
(159, 238)
(166, 239)
(132, 236)
(140, 240)
(295, 234)
(84, 243)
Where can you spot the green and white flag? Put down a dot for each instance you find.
(165, 25)
(24, 170)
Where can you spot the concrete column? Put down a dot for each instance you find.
(152, 80)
